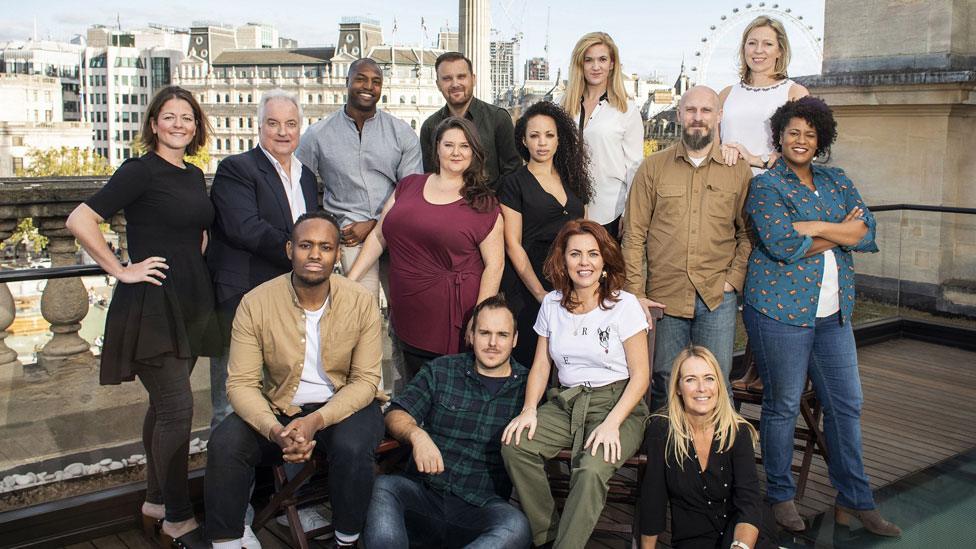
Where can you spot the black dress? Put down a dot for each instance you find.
(542, 218)
(705, 506)
(166, 211)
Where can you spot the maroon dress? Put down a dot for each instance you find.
(435, 265)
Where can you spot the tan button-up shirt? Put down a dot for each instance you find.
(689, 226)
(267, 352)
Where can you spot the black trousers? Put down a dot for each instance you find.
(235, 449)
(415, 359)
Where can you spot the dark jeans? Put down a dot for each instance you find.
(414, 359)
(235, 449)
(166, 435)
(826, 353)
(405, 513)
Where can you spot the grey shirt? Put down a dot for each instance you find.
(358, 172)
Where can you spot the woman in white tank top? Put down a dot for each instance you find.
(746, 107)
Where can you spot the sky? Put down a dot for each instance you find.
(653, 35)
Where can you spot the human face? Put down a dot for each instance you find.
(761, 50)
(799, 142)
(700, 114)
(175, 125)
(583, 261)
(364, 87)
(313, 250)
(698, 387)
(493, 340)
(597, 65)
(541, 138)
(454, 152)
(456, 82)
(280, 128)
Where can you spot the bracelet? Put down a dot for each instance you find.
(739, 545)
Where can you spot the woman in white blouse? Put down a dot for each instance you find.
(764, 56)
(596, 335)
(611, 124)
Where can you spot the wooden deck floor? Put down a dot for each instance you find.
(918, 411)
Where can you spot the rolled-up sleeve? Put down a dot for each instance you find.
(852, 199)
(773, 223)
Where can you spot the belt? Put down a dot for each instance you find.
(576, 400)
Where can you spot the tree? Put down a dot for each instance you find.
(64, 161)
(201, 159)
(28, 235)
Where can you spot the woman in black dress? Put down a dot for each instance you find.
(537, 200)
(701, 459)
(161, 316)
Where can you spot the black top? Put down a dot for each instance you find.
(493, 384)
(166, 210)
(495, 130)
(542, 218)
(705, 506)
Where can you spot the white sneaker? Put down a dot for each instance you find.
(249, 540)
(310, 519)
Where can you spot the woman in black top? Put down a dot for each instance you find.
(700, 458)
(161, 315)
(537, 199)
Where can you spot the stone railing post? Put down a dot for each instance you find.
(118, 226)
(8, 357)
(64, 302)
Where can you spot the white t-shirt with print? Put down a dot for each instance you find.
(589, 348)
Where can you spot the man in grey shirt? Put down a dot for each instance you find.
(360, 153)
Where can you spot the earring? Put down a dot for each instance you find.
(603, 275)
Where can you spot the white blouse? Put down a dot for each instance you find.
(615, 141)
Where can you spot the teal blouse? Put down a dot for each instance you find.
(781, 283)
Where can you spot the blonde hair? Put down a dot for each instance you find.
(779, 71)
(724, 418)
(616, 93)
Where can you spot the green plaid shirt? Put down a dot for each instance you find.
(466, 422)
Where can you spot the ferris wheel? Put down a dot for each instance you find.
(727, 22)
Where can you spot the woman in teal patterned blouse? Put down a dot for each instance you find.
(799, 299)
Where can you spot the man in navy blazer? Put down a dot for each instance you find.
(257, 196)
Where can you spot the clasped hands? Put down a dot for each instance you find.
(297, 439)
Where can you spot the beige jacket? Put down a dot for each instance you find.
(267, 352)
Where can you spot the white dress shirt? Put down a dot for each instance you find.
(292, 182)
(615, 141)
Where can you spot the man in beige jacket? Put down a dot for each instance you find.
(303, 373)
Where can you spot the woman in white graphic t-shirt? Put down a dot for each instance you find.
(595, 335)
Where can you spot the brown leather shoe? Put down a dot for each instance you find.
(871, 519)
(751, 374)
(788, 517)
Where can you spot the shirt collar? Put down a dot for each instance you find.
(604, 97)
(277, 165)
(782, 169)
(469, 113)
(715, 153)
(352, 121)
(294, 296)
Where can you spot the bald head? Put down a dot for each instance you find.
(699, 113)
(700, 94)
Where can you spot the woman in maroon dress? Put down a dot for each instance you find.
(447, 249)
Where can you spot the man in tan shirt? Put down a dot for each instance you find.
(686, 239)
(303, 373)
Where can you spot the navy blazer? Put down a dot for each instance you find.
(253, 222)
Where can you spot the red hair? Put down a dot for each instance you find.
(612, 278)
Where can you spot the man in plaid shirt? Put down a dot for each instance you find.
(455, 492)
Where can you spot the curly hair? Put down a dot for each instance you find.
(571, 159)
(612, 278)
(815, 112)
(475, 189)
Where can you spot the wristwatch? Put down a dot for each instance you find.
(765, 166)
(739, 545)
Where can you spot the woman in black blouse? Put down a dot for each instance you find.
(161, 315)
(701, 460)
(537, 200)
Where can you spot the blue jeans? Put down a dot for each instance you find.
(785, 356)
(218, 388)
(405, 513)
(714, 330)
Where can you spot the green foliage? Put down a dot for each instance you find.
(64, 161)
(26, 233)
